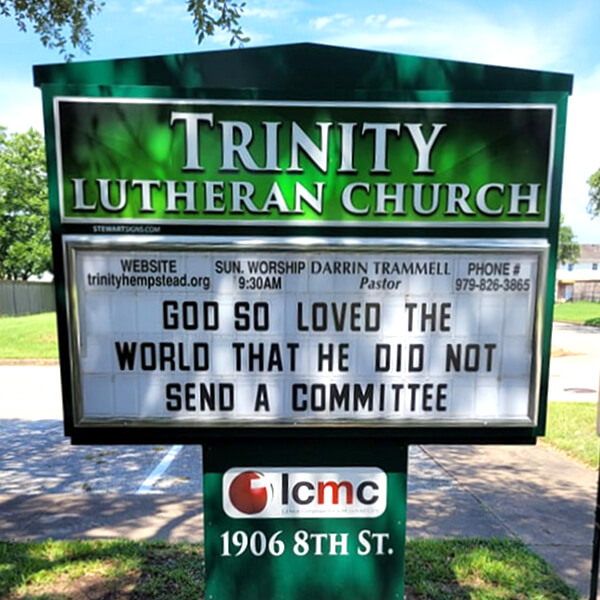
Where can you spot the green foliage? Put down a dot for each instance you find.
(25, 248)
(212, 15)
(593, 206)
(572, 429)
(55, 23)
(568, 248)
(64, 23)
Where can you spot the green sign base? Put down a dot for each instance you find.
(305, 519)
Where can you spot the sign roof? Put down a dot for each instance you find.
(303, 68)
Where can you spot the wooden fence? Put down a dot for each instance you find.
(26, 298)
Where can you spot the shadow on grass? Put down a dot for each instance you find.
(469, 569)
(463, 569)
(101, 570)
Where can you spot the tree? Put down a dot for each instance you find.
(55, 22)
(593, 206)
(568, 248)
(25, 247)
(59, 24)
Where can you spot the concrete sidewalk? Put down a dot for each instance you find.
(574, 364)
(524, 492)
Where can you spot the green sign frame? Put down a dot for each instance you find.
(302, 141)
(389, 199)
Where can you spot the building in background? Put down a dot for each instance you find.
(580, 280)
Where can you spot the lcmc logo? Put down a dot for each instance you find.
(250, 493)
(324, 492)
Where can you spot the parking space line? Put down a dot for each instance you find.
(159, 470)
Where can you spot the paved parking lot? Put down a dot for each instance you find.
(36, 458)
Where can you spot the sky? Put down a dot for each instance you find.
(549, 35)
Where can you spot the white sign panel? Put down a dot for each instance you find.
(282, 335)
(318, 492)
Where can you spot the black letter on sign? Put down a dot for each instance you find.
(262, 398)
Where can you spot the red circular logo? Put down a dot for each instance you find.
(249, 492)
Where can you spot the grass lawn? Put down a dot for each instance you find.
(124, 570)
(28, 337)
(587, 313)
(479, 570)
(94, 570)
(572, 430)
